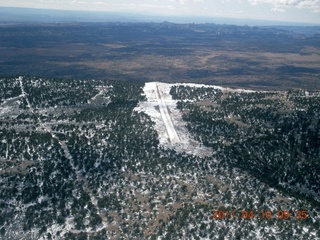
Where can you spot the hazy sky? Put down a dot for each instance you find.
(284, 10)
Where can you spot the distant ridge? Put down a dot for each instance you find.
(33, 15)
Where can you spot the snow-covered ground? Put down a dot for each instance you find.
(67, 154)
(168, 120)
(172, 134)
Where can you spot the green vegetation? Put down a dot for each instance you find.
(274, 136)
(77, 161)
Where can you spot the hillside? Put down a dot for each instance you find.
(96, 159)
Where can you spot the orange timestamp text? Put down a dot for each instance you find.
(263, 214)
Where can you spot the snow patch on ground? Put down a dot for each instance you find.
(195, 85)
(168, 120)
(4, 110)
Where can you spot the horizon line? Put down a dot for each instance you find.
(153, 17)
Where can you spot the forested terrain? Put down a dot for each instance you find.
(274, 136)
(77, 161)
(270, 58)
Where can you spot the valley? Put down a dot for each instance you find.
(259, 58)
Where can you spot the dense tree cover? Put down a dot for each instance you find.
(9, 89)
(94, 169)
(198, 93)
(272, 135)
(96, 121)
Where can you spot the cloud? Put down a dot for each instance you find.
(315, 5)
(277, 9)
(279, 5)
(183, 2)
